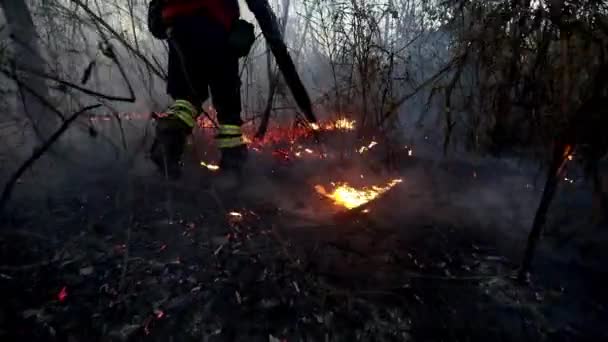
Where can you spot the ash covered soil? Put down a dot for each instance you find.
(122, 254)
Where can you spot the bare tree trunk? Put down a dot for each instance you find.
(26, 49)
(558, 159)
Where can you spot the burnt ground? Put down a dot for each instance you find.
(124, 255)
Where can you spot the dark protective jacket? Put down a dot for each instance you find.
(225, 12)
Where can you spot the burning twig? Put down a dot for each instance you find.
(235, 214)
(210, 167)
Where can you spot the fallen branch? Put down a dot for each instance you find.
(39, 152)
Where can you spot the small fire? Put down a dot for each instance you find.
(210, 167)
(363, 149)
(343, 124)
(235, 214)
(350, 197)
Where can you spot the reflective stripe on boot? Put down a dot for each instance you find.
(185, 111)
(229, 136)
(229, 130)
(228, 142)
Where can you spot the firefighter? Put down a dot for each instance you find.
(206, 39)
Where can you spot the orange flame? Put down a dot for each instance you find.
(342, 124)
(350, 197)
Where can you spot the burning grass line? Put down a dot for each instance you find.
(350, 197)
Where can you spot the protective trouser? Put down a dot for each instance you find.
(200, 60)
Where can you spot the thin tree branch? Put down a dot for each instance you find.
(40, 98)
(130, 98)
(116, 35)
(39, 152)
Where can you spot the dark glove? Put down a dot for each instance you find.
(242, 37)
(156, 26)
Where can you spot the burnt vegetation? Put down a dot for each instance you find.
(455, 187)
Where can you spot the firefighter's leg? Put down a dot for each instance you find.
(172, 130)
(173, 126)
(225, 87)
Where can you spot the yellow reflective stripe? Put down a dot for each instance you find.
(230, 142)
(185, 117)
(229, 130)
(185, 111)
(183, 104)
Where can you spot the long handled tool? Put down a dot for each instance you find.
(270, 29)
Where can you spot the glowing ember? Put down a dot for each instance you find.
(159, 314)
(63, 294)
(315, 126)
(367, 148)
(235, 214)
(350, 197)
(210, 167)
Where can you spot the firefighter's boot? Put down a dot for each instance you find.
(172, 129)
(233, 147)
(233, 156)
